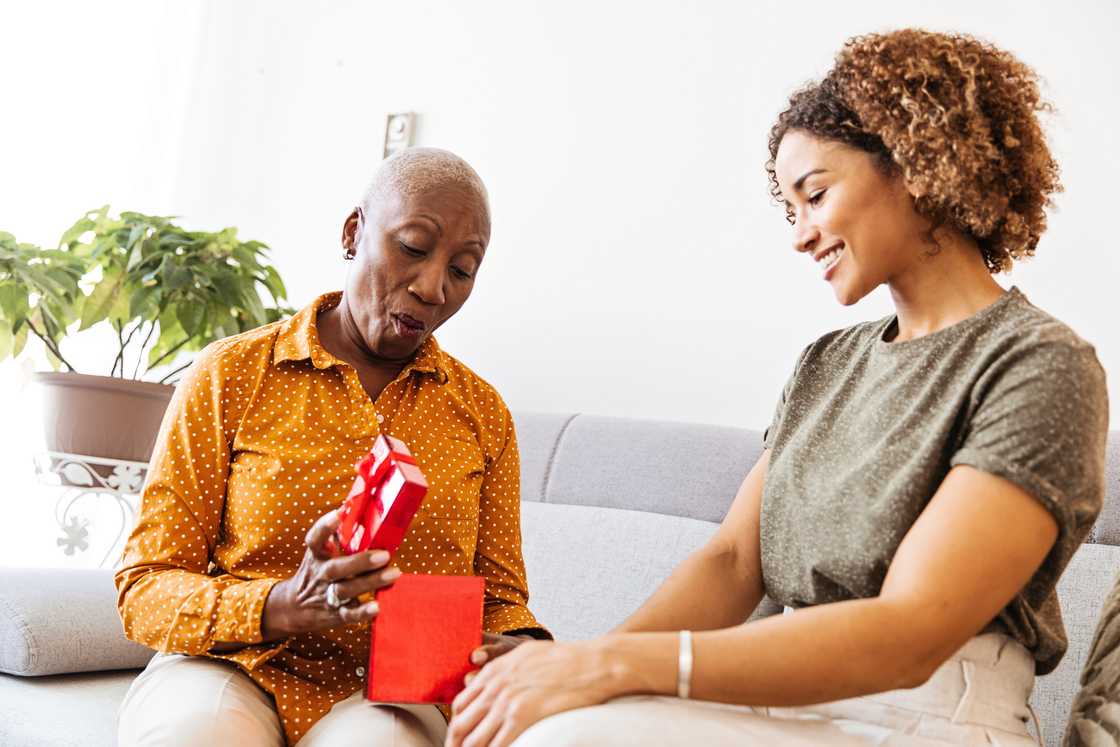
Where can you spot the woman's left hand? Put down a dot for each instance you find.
(533, 681)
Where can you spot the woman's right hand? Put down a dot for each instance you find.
(299, 604)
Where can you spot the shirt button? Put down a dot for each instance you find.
(360, 671)
(380, 418)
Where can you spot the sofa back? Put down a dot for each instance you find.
(612, 505)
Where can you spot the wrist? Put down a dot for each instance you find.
(274, 618)
(638, 663)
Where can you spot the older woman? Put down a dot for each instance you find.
(926, 477)
(230, 573)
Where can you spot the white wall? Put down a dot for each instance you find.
(93, 103)
(93, 97)
(637, 267)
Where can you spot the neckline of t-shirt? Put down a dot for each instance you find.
(952, 330)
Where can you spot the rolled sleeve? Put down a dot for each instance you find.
(1045, 433)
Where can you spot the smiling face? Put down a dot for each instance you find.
(855, 220)
(416, 257)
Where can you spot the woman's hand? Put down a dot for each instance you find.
(535, 680)
(300, 604)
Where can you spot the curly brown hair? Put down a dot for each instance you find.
(955, 117)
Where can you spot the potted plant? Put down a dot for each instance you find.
(164, 291)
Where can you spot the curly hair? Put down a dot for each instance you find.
(955, 117)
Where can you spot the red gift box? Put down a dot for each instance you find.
(386, 495)
(422, 638)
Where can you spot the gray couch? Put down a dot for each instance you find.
(610, 507)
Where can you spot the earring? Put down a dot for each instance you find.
(348, 254)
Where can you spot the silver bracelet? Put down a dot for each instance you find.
(684, 665)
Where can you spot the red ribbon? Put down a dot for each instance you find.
(376, 477)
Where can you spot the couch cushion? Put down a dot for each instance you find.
(1082, 590)
(55, 621)
(589, 568)
(677, 469)
(77, 710)
(1107, 528)
(537, 436)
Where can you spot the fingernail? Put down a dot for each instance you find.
(378, 557)
(478, 657)
(392, 574)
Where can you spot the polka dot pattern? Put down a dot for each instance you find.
(259, 441)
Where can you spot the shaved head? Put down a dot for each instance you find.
(417, 242)
(415, 171)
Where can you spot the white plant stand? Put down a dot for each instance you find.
(84, 478)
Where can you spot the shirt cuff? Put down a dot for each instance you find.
(539, 634)
(252, 657)
(240, 611)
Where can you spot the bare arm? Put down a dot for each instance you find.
(958, 566)
(720, 584)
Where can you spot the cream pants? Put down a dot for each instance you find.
(193, 701)
(978, 697)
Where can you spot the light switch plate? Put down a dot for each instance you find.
(399, 129)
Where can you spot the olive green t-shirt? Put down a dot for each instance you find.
(866, 430)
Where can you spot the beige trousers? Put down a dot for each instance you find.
(978, 697)
(193, 701)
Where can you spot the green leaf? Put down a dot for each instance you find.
(103, 248)
(148, 247)
(246, 257)
(253, 306)
(36, 278)
(97, 304)
(13, 302)
(223, 322)
(134, 235)
(85, 223)
(171, 275)
(190, 316)
(144, 302)
(171, 241)
(227, 289)
(120, 311)
(65, 275)
(19, 341)
(6, 340)
(274, 284)
(57, 317)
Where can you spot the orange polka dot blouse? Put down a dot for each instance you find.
(259, 441)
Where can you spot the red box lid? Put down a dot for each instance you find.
(422, 638)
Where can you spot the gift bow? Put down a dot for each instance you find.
(374, 471)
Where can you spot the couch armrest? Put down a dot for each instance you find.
(54, 621)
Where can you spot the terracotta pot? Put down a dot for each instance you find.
(101, 416)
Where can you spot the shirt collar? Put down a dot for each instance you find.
(298, 340)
